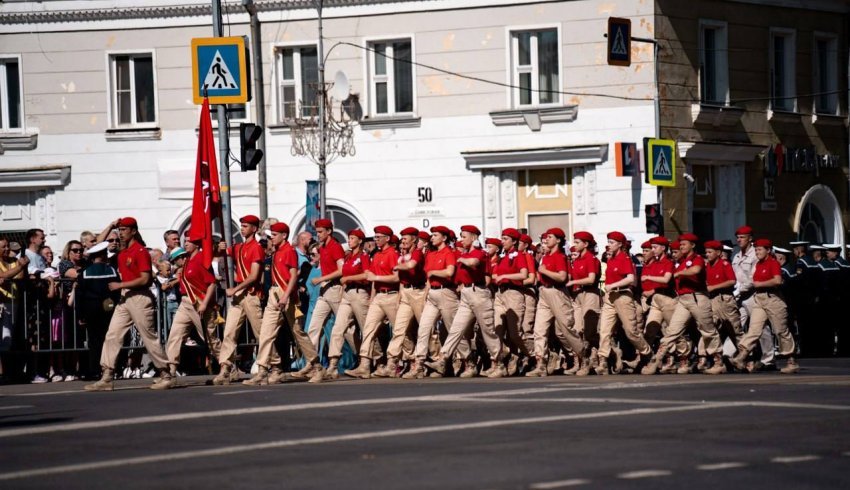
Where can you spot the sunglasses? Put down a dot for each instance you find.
(76, 250)
(112, 240)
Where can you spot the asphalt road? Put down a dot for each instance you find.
(695, 431)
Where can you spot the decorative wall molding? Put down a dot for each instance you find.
(390, 122)
(36, 178)
(534, 117)
(720, 153)
(715, 115)
(557, 156)
(18, 141)
(134, 134)
(578, 190)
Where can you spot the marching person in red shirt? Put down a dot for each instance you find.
(384, 304)
(197, 287)
(355, 299)
(693, 303)
(769, 306)
(135, 308)
(411, 276)
(619, 303)
(555, 305)
(659, 294)
(509, 275)
(441, 299)
(476, 305)
(331, 258)
(720, 280)
(248, 257)
(283, 304)
(585, 272)
(529, 289)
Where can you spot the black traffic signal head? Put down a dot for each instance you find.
(654, 219)
(248, 135)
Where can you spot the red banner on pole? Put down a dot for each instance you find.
(206, 202)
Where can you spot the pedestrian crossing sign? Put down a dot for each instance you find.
(660, 162)
(619, 41)
(220, 68)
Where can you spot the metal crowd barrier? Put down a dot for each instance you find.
(50, 325)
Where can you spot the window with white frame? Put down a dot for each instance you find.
(236, 113)
(783, 90)
(826, 74)
(297, 77)
(391, 77)
(11, 105)
(713, 63)
(535, 67)
(132, 90)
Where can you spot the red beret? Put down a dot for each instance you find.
(555, 231)
(713, 244)
(689, 237)
(573, 249)
(674, 244)
(280, 227)
(424, 235)
(441, 229)
(511, 232)
(646, 244)
(358, 233)
(525, 238)
(384, 230)
(493, 241)
(471, 229)
(409, 231)
(250, 219)
(324, 223)
(584, 236)
(393, 239)
(617, 237)
(128, 222)
(452, 234)
(763, 242)
(659, 240)
(744, 230)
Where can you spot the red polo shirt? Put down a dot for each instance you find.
(382, 265)
(585, 265)
(658, 267)
(195, 278)
(283, 261)
(765, 269)
(620, 265)
(245, 255)
(437, 260)
(472, 275)
(133, 261)
(718, 272)
(554, 262)
(354, 265)
(511, 262)
(416, 276)
(329, 254)
(691, 284)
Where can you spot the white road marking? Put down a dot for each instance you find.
(393, 433)
(154, 419)
(633, 475)
(634, 401)
(13, 407)
(239, 392)
(721, 466)
(795, 459)
(559, 484)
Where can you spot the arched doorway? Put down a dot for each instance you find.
(234, 229)
(818, 217)
(343, 220)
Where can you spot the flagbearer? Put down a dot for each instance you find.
(245, 302)
(136, 307)
(283, 303)
(197, 286)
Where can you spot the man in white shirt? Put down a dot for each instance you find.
(35, 240)
(744, 263)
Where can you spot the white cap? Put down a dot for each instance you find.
(832, 246)
(98, 247)
(781, 250)
(817, 247)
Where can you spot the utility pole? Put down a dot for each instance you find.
(259, 101)
(323, 164)
(224, 157)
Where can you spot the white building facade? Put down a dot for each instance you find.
(506, 115)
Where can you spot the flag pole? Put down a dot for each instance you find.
(224, 160)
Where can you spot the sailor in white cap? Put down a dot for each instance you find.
(832, 293)
(806, 276)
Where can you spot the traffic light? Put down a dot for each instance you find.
(654, 219)
(248, 135)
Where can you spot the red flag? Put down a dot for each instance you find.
(206, 203)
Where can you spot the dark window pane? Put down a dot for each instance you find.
(525, 88)
(122, 72)
(381, 98)
(145, 91)
(124, 104)
(403, 72)
(547, 58)
(13, 85)
(380, 59)
(288, 64)
(524, 54)
(709, 75)
(309, 77)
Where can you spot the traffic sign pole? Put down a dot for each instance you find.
(224, 159)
